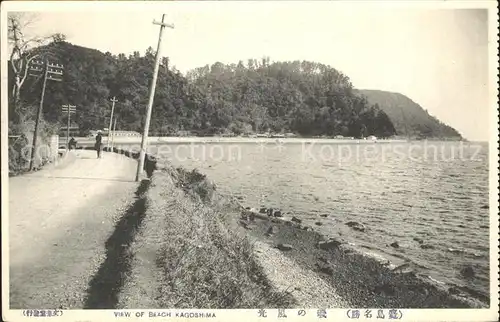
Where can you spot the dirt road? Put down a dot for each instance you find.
(60, 219)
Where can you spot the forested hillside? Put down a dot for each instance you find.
(258, 96)
(409, 118)
(301, 97)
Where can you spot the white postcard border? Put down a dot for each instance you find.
(272, 314)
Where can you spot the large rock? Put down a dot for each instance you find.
(329, 244)
(401, 267)
(297, 220)
(325, 269)
(356, 225)
(263, 210)
(284, 247)
(248, 215)
(244, 215)
(270, 231)
(244, 224)
(468, 271)
(278, 213)
(395, 244)
(426, 246)
(323, 215)
(270, 212)
(418, 240)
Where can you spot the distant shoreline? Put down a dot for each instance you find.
(255, 140)
(265, 139)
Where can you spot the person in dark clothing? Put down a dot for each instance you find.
(72, 144)
(98, 143)
(150, 165)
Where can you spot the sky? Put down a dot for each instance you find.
(436, 57)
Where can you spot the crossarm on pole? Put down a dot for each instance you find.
(163, 24)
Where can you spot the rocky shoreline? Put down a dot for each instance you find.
(360, 280)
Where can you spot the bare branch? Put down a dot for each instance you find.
(29, 19)
(25, 49)
(20, 64)
(23, 19)
(27, 69)
(12, 62)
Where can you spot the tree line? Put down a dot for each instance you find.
(301, 97)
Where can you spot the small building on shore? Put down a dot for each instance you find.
(105, 132)
(126, 133)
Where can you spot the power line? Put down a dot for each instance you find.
(140, 164)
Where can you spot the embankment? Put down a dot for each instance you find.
(187, 252)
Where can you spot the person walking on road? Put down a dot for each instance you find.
(72, 144)
(98, 144)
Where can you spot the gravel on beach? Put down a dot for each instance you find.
(350, 278)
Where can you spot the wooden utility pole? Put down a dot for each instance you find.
(50, 72)
(114, 100)
(68, 109)
(113, 137)
(140, 164)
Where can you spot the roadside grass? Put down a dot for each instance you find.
(194, 184)
(197, 258)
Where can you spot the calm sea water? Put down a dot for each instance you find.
(436, 192)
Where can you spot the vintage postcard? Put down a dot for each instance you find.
(249, 160)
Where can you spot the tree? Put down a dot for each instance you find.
(22, 53)
(58, 37)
